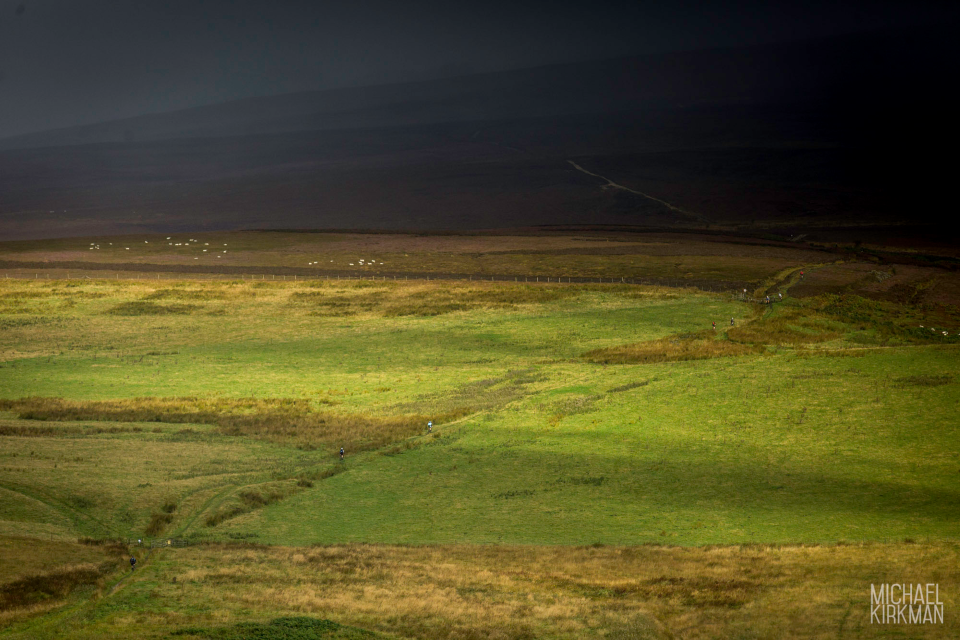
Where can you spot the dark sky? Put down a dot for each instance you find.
(67, 62)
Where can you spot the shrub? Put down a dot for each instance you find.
(47, 586)
(157, 523)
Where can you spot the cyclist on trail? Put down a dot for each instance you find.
(341, 453)
(133, 564)
(430, 426)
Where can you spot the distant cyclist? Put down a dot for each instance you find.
(341, 453)
(430, 426)
(731, 322)
(133, 564)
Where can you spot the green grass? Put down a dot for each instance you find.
(696, 440)
(565, 414)
(776, 448)
(264, 345)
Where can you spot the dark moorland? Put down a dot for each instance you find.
(826, 133)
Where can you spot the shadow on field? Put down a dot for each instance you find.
(718, 485)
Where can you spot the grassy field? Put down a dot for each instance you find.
(610, 420)
(484, 591)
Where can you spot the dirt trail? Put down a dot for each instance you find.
(613, 185)
(123, 579)
(788, 278)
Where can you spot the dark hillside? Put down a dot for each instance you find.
(831, 132)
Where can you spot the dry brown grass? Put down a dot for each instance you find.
(794, 328)
(50, 586)
(21, 558)
(146, 308)
(39, 575)
(282, 420)
(394, 299)
(809, 591)
(44, 431)
(671, 349)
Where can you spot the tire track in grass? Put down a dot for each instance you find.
(119, 583)
(213, 502)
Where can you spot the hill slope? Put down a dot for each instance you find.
(835, 131)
